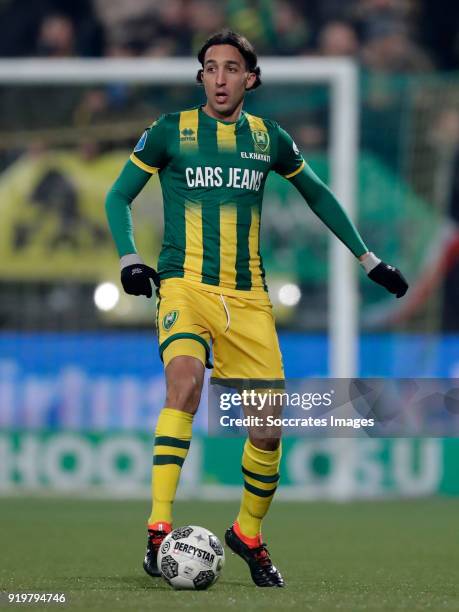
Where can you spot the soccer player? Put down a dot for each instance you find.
(212, 162)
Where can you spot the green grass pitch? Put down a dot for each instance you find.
(389, 555)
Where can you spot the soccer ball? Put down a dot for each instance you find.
(191, 558)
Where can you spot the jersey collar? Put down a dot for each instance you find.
(237, 123)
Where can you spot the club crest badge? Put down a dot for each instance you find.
(169, 319)
(261, 140)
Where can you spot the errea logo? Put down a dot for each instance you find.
(187, 135)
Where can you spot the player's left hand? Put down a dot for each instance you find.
(136, 279)
(385, 275)
(389, 277)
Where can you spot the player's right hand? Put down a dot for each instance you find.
(136, 279)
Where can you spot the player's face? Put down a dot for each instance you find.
(225, 79)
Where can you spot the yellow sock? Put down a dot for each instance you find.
(261, 475)
(172, 441)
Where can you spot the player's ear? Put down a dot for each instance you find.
(250, 81)
(199, 76)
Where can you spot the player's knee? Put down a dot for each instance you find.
(184, 384)
(184, 394)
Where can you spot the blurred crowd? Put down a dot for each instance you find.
(396, 36)
(410, 125)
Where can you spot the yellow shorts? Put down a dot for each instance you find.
(241, 331)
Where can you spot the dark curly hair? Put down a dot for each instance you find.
(245, 48)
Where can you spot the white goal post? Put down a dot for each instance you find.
(342, 77)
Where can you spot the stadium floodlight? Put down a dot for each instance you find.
(289, 294)
(340, 74)
(106, 296)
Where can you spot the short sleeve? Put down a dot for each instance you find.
(150, 153)
(289, 159)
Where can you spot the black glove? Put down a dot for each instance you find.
(136, 279)
(389, 277)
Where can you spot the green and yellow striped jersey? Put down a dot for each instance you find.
(212, 176)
